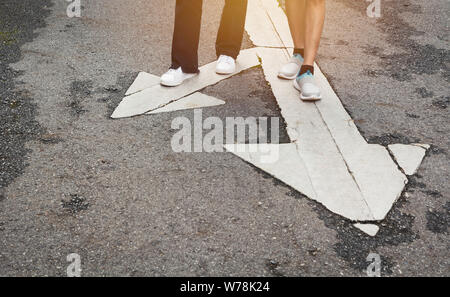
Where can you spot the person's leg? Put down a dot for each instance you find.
(314, 21)
(188, 14)
(314, 17)
(295, 11)
(231, 31)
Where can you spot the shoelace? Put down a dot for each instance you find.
(171, 71)
(226, 59)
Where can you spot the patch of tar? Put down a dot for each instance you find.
(115, 93)
(437, 221)
(392, 138)
(424, 93)
(414, 58)
(353, 245)
(79, 91)
(433, 193)
(18, 21)
(442, 102)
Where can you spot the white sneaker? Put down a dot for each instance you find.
(291, 69)
(307, 87)
(225, 65)
(175, 77)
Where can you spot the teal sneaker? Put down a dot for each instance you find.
(306, 85)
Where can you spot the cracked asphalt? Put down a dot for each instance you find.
(72, 180)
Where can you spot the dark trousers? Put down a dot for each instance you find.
(188, 14)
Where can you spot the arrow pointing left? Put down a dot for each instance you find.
(158, 96)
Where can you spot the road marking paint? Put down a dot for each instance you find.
(328, 159)
(323, 164)
(350, 177)
(290, 169)
(369, 229)
(409, 157)
(196, 100)
(279, 21)
(158, 96)
(143, 81)
(146, 80)
(260, 26)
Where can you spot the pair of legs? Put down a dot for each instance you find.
(306, 19)
(188, 14)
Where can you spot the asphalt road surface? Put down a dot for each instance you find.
(72, 180)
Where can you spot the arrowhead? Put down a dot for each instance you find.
(158, 96)
(146, 80)
(143, 81)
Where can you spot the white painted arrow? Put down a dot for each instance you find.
(328, 160)
(143, 99)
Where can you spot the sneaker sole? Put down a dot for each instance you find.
(306, 98)
(176, 84)
(311, 98)
(224, 72)
(280, 75)
(170, 84)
